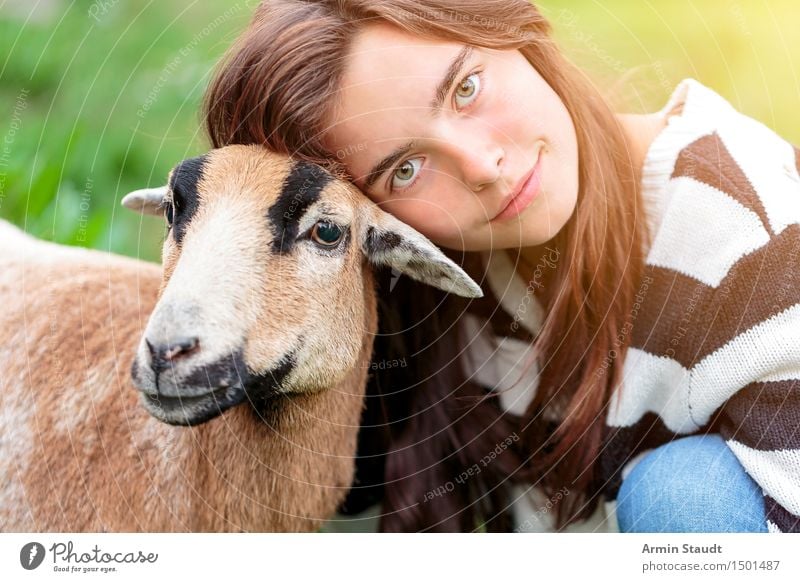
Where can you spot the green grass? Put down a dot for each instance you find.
(98, 106)
(103, 106)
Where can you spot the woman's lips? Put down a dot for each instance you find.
(531, 185)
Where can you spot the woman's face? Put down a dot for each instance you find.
(470, 146)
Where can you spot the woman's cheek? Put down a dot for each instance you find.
(433, 219)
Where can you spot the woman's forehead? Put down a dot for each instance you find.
(379, 51)
(387, 88)
(387, 68)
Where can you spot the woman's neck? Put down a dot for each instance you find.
(537, 266)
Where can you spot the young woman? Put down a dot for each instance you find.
(640, 331)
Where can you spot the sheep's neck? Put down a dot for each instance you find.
(287, 466)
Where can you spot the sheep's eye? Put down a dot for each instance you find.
(169, 213)
(326, 234)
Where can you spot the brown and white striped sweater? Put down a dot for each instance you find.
(715, 342)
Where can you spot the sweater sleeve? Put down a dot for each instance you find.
(761, 422)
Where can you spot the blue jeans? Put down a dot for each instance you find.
(692, 484)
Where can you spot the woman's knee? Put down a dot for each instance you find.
(692, 484)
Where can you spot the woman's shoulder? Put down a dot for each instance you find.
(704, 130)
(722, 163)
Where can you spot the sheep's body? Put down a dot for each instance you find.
(79, 453)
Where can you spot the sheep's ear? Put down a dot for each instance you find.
(387, 241)
(146, 201)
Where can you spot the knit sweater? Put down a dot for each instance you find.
(715, 336)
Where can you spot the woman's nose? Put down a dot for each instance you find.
(480, 163)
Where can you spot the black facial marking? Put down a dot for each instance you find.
(262, 387)
(378, 242)
(301, 189)
(230, 370)
(183, 185)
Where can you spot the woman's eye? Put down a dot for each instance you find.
(467, 90)
(406, 173)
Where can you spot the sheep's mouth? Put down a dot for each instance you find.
(193, 410)
(234, 385)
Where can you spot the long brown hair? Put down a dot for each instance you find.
(426, 423)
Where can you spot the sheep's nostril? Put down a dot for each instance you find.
(181, 347)
(173, 350)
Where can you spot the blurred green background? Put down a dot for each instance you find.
(100, 98)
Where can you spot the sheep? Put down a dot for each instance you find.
(221, 392)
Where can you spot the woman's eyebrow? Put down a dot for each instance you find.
(379, 168)
(436, 105)
(450, 76)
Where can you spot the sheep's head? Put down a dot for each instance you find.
(263, 289)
